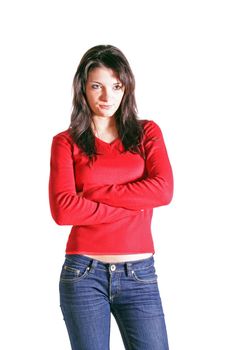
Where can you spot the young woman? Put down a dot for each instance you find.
(108, 171)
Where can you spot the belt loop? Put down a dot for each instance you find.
(93, 264)
(128, 268)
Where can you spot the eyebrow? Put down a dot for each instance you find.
(94, 81)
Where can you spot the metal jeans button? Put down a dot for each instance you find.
(112, 267)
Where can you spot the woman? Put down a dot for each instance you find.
(108, 171)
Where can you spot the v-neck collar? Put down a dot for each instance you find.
(107, 143)
(104, 147)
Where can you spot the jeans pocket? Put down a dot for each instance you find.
(71, 272)
(145, 275)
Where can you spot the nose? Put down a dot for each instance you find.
(105, 95)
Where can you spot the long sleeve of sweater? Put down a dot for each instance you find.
(153, 191)
(67, 207)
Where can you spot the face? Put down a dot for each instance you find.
(104, 92)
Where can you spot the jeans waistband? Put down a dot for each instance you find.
(119, 266)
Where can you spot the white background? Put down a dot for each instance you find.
(181, 55)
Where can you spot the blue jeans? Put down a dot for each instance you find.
(90, 290)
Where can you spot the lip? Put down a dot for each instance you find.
(105, 106)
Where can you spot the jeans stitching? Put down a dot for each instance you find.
(75, 279)
(144, 280)
(123, 270)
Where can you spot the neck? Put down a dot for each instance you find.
(102, 124)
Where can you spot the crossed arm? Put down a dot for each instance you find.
(67, 206)
(156, 190)
(99, 204)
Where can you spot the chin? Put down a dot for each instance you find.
(107, 114)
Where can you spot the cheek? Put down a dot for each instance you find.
(119, 98)
(91, 99)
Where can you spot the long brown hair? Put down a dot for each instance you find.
(129, 129)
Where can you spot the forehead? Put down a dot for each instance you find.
(102, 74)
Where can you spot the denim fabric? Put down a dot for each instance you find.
(90, 290)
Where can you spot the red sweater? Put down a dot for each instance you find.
(120, 191)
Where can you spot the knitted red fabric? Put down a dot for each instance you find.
(120, 191)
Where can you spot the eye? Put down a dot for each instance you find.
(117, 87)
(95, 86)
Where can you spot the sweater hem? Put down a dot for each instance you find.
(108, 253)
